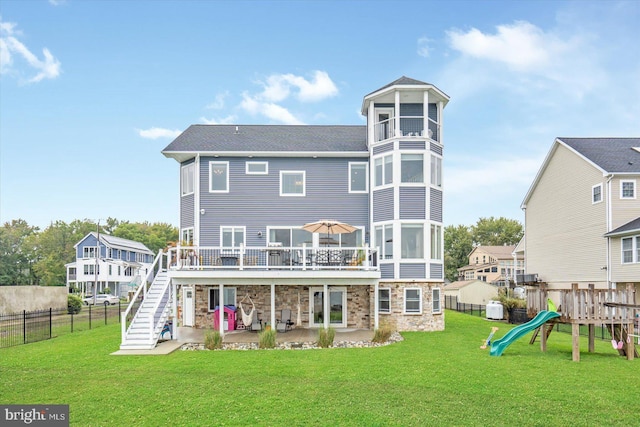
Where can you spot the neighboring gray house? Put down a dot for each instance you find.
(582, 214)
(247, 190)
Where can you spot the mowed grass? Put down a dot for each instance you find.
(440, 378)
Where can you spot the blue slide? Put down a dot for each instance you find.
(498, 346)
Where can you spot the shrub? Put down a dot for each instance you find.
(74, 304)
(212, 339)
(326, 337)
(267, 338)
(382, 334)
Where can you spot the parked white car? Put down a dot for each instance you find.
(105, 299)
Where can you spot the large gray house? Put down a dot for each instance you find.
(247, 191)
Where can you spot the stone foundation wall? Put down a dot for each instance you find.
(398, 320)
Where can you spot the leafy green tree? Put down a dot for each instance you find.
(16, 253)
(496, 232)
(154, 236)
(458, 243)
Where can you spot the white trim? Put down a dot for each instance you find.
(593, 202)
(304, 183)
(211, 164)
(366, 177)
(233, 229)
(404, 303)
(388, 289)
(265, 172)
(625, 181)
(184, 171)
(433, 310)
(182, 231)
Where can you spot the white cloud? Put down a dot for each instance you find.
(423, 47)
(223, 121)
(278, 87)
(10, 48)
(218, 103)
(155, 133)
(270, 110)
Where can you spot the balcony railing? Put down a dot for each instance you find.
(409, 127)
(273, 258)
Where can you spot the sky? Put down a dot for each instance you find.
(92, 91)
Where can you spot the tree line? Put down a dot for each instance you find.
(29, 256)
(459, 240)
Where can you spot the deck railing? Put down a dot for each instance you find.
(273, 258)
(410, 126)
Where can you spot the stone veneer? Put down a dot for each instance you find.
(426, 321)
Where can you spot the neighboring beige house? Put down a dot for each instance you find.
(471, 291)
(582, 214)
(492, 264)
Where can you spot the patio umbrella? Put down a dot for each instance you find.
(329, 226)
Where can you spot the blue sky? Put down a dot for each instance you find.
(92, 91)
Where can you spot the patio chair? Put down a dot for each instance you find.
(256, 323)
(285, 323)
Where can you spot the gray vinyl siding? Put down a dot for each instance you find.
(386, 271)
(383, 205)
(412, 145)
(623, 210)
(436, 205)
(433, 111)
(384, 148)
(90, 241)
(412, 271)
(412, 203)
(186, 210)
(411, 110)
(436, 148)
(254, 201)
(435, 271)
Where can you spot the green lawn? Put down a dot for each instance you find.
(440, 378)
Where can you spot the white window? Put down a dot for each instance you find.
(384, 240)
(630, 249)
(90, 269)
(110, 270)
(436, 171)
(218, 177)
(187, 179)
(628, 189)
(358, 177)
(413, 300)
(257, 168)
(89, 252)
(119, 271)
(596, 193)
(232, 236)
(412, 168)
(435, 298)
(214, 297)
(412, 241)
(436, 242)
(187, 236)
(384, 170)
(384, 300)
(292, 183)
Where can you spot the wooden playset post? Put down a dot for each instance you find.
(543, 306)
(592, 326)
(575, 327)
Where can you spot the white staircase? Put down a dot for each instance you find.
(145, 328)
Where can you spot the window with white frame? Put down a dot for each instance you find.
(232, 236)
(436, 171)
(292, 183)
(630, 249)
(436, 242)
(383, 170)
(214, 297)
(110, 270)
(384, 300)
(187, 174)
(257, 168)
(384, 240)
(89, 252)
(435, 301)
(218, 177)
(90, 269)
(411, 168)
(596, 193)
(412, 241)
(628, 189)
(186, 236)
(413, 300)
(358, 177)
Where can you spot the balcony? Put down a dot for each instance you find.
(409, 127)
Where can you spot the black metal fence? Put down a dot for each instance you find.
(32, 326)
(451, 303)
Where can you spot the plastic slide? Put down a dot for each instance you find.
(498, 346)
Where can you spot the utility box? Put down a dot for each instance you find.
(495, 310)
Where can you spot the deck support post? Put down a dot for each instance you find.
(375, 306)
(221, 311)
(575, 338)
(543, 336)
(630, 347)
(273, 306)
(592, 338)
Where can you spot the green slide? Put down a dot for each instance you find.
(498, 346)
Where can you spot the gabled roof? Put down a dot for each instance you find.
(118, 243)
(500, 252)
(282, 140)
(462, 283)
(608, 155)
(630, 227)
(409, 84)
(402, 81)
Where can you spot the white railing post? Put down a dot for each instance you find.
(241, 256)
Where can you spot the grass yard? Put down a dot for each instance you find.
(440, 378)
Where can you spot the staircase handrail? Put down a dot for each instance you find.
(156, 308)
(143, 287)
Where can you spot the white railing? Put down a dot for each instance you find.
(157, 315)
(410, 126)
(273, 258)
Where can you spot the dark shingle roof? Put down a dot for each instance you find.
(402, 81)
(270, 138)
(631, 226)
(616, 155)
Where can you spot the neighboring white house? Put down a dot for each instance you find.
(120, 264)
(471, 291)
(582, 214)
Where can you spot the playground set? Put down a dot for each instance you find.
(615, 308)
